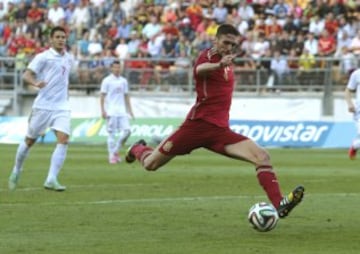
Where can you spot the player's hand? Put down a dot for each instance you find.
(227, 60)
(40, 84)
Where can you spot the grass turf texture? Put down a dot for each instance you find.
(195, 204)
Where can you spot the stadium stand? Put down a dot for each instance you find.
(286, 45)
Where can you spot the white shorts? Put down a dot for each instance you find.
(41, 119)
(117, 123)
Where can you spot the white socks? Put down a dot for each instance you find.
(124, 135)
(57, 161)
(111, 143)
(21, 155)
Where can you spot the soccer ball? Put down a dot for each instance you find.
(263, 217)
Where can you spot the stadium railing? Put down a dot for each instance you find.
(151, 76)
(163, 74)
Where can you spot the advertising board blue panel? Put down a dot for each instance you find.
(319, 134)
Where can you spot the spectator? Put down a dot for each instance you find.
(285, 43)
(272, 27)
(342, 42)
(168, 46)
(289, 25)
(35, 13)
(281, 10)
(69, 13)
(2, 11)
(306, 64)
(183, 44)
(3, 47)
(220, 13)
(81, 17)
(259, 47)
(246, 11)
(116, 13)
(122, 50)
(133, 44)
(55, 13)
(186, 29)
(83, 44)
(152, 28)
(21, 12)
(311, 44)
(299, 44)
(243, 26)
(124, 29)
(316, 26)
(280, 68)
(326, 44)
(95, 45)
(331, 24)
(112, 31)
(154, 46)
(194, 12)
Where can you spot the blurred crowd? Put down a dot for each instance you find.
(102, 30)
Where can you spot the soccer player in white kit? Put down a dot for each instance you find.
(353, 86)
(49, 71)
(115, 108)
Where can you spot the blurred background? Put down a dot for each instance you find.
(293, 61)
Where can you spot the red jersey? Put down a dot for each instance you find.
(214, 92)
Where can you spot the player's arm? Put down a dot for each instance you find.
(204, 68)
(349, 90)
(102, 105)
(128, 105)
(348, 99)
(30, 78)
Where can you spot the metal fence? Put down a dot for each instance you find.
(152, 75)
(149, 74)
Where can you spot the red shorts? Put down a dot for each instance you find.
(194, 134)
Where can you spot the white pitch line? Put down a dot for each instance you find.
(168, 199)
(92, 186)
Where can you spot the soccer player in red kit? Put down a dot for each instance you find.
(207, 124)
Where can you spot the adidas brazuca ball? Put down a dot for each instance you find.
(263, 216)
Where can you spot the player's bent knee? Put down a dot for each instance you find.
(262, 157)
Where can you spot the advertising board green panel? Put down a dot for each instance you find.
(93, 130)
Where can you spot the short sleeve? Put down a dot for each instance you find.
(37, 63)
(104, 86)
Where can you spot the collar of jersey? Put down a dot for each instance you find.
(54, 52)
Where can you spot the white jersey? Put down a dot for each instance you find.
(115, 89)
(354, 84)
(54, 69)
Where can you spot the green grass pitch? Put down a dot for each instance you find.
(196, 204)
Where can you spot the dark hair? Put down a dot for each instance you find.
(227, 29)
(115, 62)
(55, 29)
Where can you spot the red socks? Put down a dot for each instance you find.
(268, 181)
(141, 152)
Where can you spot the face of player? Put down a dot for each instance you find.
(226, 43)
(116, 69)
(58, 41)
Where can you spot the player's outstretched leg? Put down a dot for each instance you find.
(290, 201)
(130, 157)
